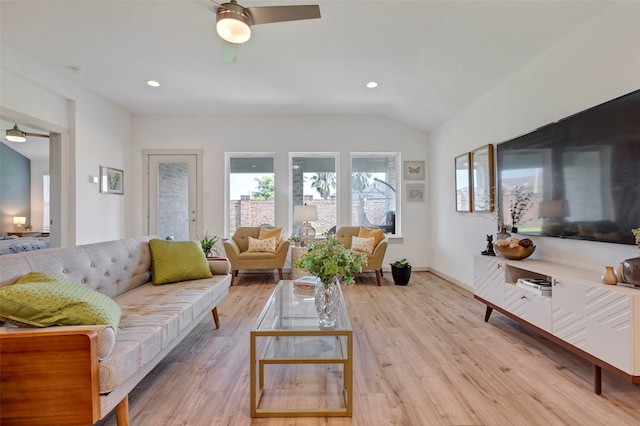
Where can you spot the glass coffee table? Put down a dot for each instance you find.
(287, 333)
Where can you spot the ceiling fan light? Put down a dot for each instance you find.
(233, 26)
(16, 135)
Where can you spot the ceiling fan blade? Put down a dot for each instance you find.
(209, 5)
(269, 14)
(229, 52)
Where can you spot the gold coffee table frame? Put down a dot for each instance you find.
(288, 320)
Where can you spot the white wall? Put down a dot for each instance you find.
(598, 62)
(281, 135)
(38, 169)
(99, 133)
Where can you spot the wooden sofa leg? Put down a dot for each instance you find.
(378, 276)
(122, 412)
(280, 274)
(234, 274)
(215, 317)
(381, 274)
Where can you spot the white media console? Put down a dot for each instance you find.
(598, 322)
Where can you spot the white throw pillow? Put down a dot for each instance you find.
(363, 244)
(264, 245)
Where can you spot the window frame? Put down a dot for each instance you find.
(227, 184)
(336, 158)
(398, 187)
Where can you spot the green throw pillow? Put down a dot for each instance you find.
(175, 261)
(42, 300)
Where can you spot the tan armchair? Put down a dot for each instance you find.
(375, 259)
(236, 250)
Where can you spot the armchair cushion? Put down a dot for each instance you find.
(270, 232)
(362, 244)
(262, 244)
(377, 234)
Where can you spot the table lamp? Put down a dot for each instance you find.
(19, 222)
(306, 214)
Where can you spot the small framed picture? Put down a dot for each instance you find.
(415, 192)
(111, 180)
(414, 170)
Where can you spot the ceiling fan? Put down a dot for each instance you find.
(233, 21)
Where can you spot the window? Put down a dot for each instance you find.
(46, 219)
(251, 190)
(375, 200)
(314, 181)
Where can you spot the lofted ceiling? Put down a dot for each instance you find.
(430, 58)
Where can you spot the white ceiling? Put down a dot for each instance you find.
(430, 58)
(35, 148)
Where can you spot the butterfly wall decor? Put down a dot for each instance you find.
(414, 170)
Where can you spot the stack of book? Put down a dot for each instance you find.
(535, 285)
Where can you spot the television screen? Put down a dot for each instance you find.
(578, 177)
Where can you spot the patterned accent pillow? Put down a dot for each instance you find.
(377, 234)
(362, 244)
(43, 300)
(270, 232)
(175, 261)
(264, 245)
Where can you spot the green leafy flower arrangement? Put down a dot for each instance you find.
(329, 259)
(636, 233)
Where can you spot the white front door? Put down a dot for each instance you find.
(172, 196)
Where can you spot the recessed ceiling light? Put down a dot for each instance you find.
(153, 83)
(372, 85)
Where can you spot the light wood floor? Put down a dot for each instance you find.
(422, 356)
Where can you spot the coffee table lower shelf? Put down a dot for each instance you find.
(343, 356)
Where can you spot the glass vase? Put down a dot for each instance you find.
(503, 234)
(631, 270)
(327, 299)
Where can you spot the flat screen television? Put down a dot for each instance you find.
(576, 178)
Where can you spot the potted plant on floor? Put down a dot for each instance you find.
(208, 243)
(401, 271)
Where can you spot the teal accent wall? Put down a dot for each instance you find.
(15, 186)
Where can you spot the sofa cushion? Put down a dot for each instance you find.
(365, 245)
(43, 300)
(377, 234)
(154, 319)
(271, 232)
(262, 245)
(175, 261)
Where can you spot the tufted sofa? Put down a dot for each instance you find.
(54, 375)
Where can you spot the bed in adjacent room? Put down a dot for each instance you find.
(14, 244)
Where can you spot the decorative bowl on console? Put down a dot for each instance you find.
(515, 253)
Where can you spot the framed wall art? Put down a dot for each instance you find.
(413, 170)
(483, 178)
(464, 187)
(111, 180)
(415, 192)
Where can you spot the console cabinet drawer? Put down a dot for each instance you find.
(529, 306)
